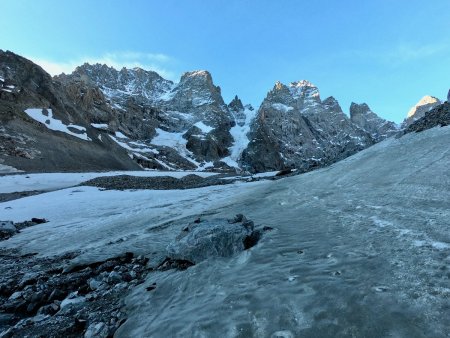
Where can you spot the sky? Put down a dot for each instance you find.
(387, 53)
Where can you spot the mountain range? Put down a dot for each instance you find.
(99, 118)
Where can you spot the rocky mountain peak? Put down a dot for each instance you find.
(330, 103)
(195, 89)
(236, 104)
(118, 85)
(304, 89)
(359, 109)
(425, 104)
(362, 116)
(300, 94)
(197, 76)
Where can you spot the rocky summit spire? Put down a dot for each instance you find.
(295, 129)
(424, 105)
(236, 104)
(366, 119)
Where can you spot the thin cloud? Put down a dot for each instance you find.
(156, 62)
(397, 55)
(406, 53)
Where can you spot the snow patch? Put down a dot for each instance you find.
(282, 107)
(175, 141)
(203, 127)
(102, 126)
(241, 140)
(120, 135)
(197, 101)
(52, 123)
(143, 147)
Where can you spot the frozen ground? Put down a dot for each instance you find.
(360, 249)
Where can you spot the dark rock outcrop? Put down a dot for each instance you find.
(294, 128)
(366, 119)
(438, 116)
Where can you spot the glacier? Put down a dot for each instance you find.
(359, 248)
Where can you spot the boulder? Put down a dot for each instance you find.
(7, 229)
(213, 238)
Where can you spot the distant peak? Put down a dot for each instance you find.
(201, 73)
(197, 76)
(304, 89)
(359, 109)
(302, 83)
(236, 104)
(331, 103)
(279, 86)
(359, 106)
(425, 103)
(428, 99)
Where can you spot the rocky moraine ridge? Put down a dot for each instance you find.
(100, 118)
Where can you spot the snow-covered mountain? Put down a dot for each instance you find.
(294, 128)
(150, 122)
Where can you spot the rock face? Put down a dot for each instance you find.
(42, 128)
(295, 128)
(418, 111)
(438, 116)
(100, 118)
(379, 128)
(167, 126)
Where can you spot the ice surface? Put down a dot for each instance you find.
(110, 221)
(53, 181)
(343, 259)
(241, 140)
(334, 266)
(54, 124)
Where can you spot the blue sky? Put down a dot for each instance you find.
(387, 53)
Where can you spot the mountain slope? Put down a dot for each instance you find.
(359, 247)
(43, 129)
(133, 118)
(295, 128)
(362, 116)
